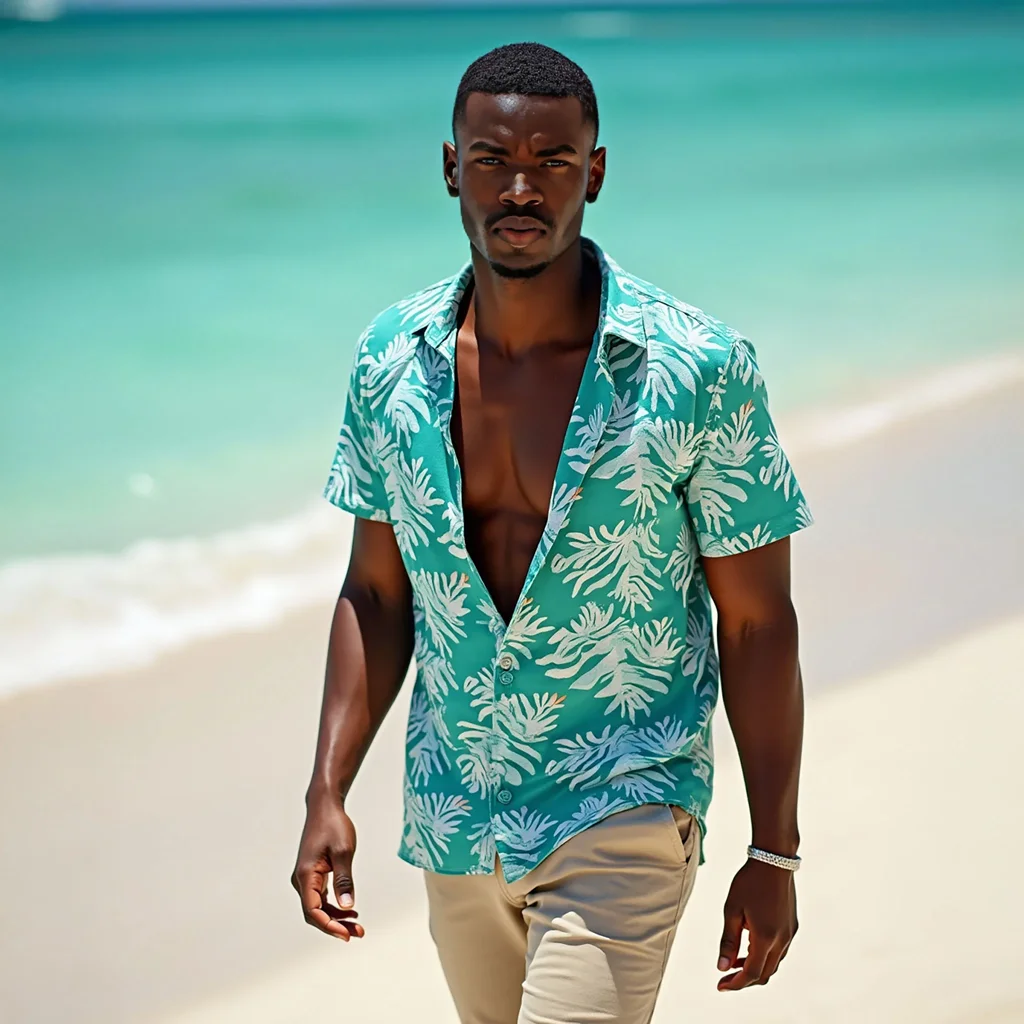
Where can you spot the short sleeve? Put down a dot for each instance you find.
(742, 493)
(355, 483)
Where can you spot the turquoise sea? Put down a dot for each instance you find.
(199, 214)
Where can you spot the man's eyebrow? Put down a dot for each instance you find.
(556, 150)
(488, 147)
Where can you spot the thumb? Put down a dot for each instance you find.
(344, 887)
(729, 947)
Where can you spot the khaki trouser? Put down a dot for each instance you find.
(582, 938)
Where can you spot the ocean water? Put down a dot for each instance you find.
(199, 214)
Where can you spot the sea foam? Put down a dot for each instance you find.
(71, 616)
(74, 616)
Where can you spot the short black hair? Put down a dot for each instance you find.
(526, 69)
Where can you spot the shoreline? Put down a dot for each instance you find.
(68, 617)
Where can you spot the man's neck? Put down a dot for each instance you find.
(558, 305)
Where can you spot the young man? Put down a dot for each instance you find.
(554, 468)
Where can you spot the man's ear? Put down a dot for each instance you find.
(596, 177)
(450, 168)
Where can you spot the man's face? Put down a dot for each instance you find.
(523, 169)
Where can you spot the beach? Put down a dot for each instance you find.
(202, 212)
(151, 815)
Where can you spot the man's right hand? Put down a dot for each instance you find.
(327, 845)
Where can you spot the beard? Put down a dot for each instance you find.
(518, 273)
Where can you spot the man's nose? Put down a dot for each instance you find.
(521, 192)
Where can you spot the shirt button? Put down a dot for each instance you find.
(505, 662)
(506, 678)
(504, 796)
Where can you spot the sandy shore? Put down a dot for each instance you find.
(914, 799)
(150, 818)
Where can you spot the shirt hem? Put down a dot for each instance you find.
(777, 528)
(377, 515)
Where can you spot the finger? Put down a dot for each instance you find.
(338, 929)
(346, 918)
(753, 966)
(310, 883)
(729, 947)
(771, 964)
(344, 887)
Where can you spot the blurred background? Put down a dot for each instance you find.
(201, 208)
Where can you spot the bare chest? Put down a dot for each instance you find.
(509, 425)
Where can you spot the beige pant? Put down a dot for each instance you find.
(583, 938)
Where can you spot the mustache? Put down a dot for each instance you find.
(499, 215)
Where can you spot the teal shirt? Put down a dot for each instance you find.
(598, 695)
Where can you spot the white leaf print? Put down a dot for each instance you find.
(491, 619)
(454, 536)
(504, 748)
(682, 563)
(655, 454)
(719, 477)
(586, 438)
(630, 661)
(678, 344)
(561, 502)
(426, 749)
(755, 538)
(644, 784)
(698, 640)
(433, 668)
(379, 372)
(777, 467)
(350, 476)
(481, 839)
(626, 758)
(625, 554)
(431, 820)
(412, 496)
(415, 306)
(524, 630)
(521, 833)
(592, 809)
(439, 606)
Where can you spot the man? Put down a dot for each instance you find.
(554, 468)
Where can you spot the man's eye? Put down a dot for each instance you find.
(489, 161)
(556, 163)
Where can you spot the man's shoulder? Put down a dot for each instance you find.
(408, 315)
(673, 323)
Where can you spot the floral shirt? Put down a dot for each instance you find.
(598, 695)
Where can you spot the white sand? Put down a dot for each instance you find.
(911, 897)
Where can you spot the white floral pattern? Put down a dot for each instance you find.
(598, 695)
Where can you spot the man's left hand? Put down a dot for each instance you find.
(762, 900)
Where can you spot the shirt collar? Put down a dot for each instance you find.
(621, 307)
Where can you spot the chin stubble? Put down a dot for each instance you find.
(502, 270)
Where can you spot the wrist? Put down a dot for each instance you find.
(322, 790)
(785, 844)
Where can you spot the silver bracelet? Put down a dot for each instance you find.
(775, 859)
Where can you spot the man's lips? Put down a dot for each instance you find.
(519, 231)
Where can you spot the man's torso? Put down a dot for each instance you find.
(508, 428)
(566, 676)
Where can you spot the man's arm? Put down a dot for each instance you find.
(370, 647)
(763, 696)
